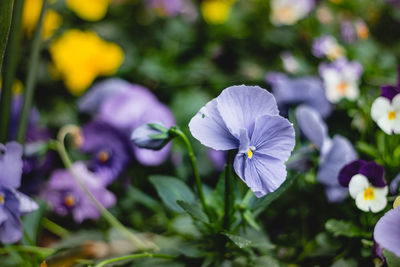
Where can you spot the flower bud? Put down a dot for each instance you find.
(151, 136)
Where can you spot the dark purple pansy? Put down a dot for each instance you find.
(65, 195)
(246, 118)
(307, 90)
(374, 172)
(110, 149)
(387, 231)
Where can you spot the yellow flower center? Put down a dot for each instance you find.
(1, 199)
(69, 201)
(342, 87)
(103, 156)
(369, 194)
(250, 154)
(392, 115)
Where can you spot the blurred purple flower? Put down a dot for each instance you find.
(66, 196)
(341, 79)
(110, 150)
(394, 185)
(218, 158)
(307, 90)
(347, 31)
(334, 153)
(127, 106)
(246, 118)
(387, 231)
(168, 8)
(13, 204)
(327, 46)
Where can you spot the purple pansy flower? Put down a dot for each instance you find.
(347, 31)
(385, 110)
(127, 106)
(327, 46)
(394, 185)
(13, 204)
(65, 195)
(246, 118)
(387, 231)
(366, 183)
(341, 79)
(110, 150)
(334, 153)
(307, 90)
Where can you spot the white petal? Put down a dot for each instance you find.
(385, 124)
(378, 204)
(26, 204)
(357, 185)
(352, 92)
(396, 102)
(396, 123)
(381, 191)
(361, 203)
(380, 108)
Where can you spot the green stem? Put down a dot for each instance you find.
(135, 256)
(178, 132)
(104, 212)
(31, 77)
(6, 9)
(44, 252)
(54, 228)
(229, 193)
(10, 68)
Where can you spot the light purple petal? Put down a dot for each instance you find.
(101, 91)
(387, 231)
(394, 185)
(239, 106)
(11, 165)
(150, 157)
(11, 229)
(263, 174)
(336, 194)
(312, 125)
(341, 153)
(208, 127)
(273, 136)
(26, 204)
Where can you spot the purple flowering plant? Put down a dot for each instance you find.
(163, 158)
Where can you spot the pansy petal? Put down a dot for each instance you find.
(336, 194)
(11, 229)
(362, 203)
(349, 170)
(262, 174)
(378, 204)
(374, 172)
(11, 165)
(311, 124)
(150, 157)
(389, 91)
(26, 204)
(273, 136)
(240, 105)
(385, 124)
(340, 153)
(394, 185)
(380, 108)
(357, 185)
(208, 127)
(387, 231)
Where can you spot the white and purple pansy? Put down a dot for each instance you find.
(366, 183)
(341, 79)
(385, 110)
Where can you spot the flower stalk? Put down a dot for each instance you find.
(135, 256)
(60, 147)
(229, 193)
(8, 73)
(31, 76)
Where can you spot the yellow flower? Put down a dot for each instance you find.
(80, 56)
(216, 11)
(91, 10)
(30, 16)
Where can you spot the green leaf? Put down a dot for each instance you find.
(238, 240)
(342, 228)
(260, 204)
(391, 259)
(249, 218)
(194, 210)
(170, 190)
(6, 7)
(31, 224)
